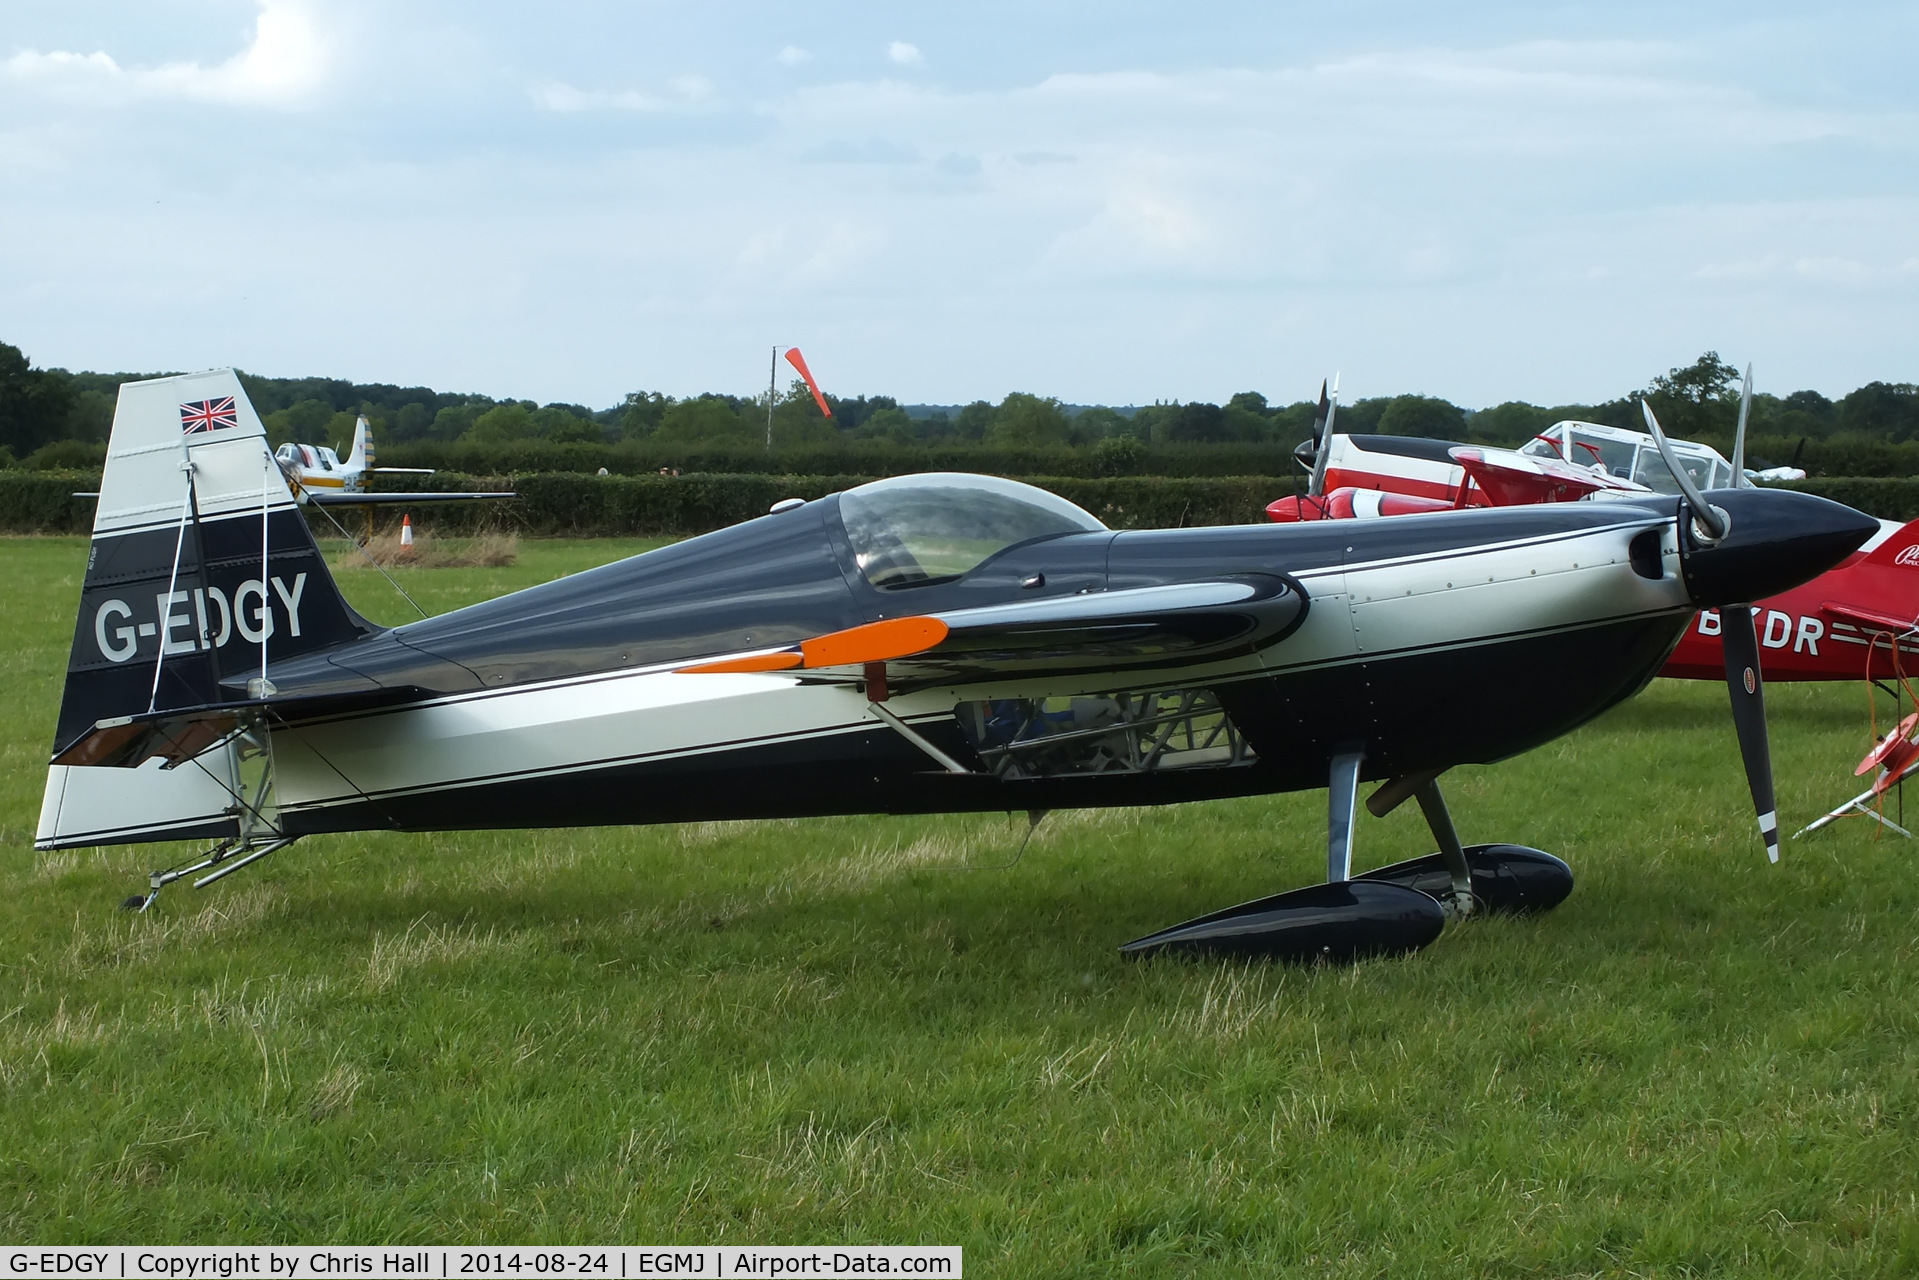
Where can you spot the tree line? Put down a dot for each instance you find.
(52, 417)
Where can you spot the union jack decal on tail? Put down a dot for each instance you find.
(208, 415)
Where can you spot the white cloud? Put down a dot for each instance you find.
(285, 64)
(1753, 268)
(565, 98)
(1481, 221)
(1831, 269)
(871, 151)
(562, 97)
(903, 53)
(45, 66)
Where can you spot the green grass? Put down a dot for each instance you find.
(875, 1030)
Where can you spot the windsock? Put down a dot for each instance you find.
(798, 361)
(406, 530)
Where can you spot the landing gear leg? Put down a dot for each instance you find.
(1342, 806)
(1468, 878)
(259, 835)
(1451, 853)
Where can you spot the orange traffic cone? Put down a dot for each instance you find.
(406, 535)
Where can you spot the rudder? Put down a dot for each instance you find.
(202, 570)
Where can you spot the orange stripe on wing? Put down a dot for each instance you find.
(756, 662)
(874, 642)
(856, 646)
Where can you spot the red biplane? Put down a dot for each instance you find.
(1857, 620)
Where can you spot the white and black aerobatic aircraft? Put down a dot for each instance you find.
(928, 643)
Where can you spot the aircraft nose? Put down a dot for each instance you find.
(1779, 539)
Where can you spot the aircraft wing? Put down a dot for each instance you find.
(1509, 478)
(1109, 630)
(320, 499)
(1868, 619)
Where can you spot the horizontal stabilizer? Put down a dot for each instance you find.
(319, 499)
(177, 736)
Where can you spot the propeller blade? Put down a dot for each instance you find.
(1748, 692)
(1707, 519)
(1306, 452)
(1739, 480)
(1324, 431)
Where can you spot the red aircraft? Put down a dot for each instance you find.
(1860, 619)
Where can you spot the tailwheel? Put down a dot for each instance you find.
(1336, 922)
(1505, 877)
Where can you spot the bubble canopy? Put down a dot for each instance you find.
(912, 530)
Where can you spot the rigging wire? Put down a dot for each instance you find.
(369, 557)
(179, 542)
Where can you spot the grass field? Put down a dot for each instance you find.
(877, 1030)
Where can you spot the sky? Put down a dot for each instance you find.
(1107, 202)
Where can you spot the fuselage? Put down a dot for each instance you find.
(310, 466)
(566, 704)
(1857, 621)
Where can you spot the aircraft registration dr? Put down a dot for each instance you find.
(926, 643)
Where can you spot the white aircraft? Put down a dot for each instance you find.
(316, 474)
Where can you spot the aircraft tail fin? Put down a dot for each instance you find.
(1900, 547)
(361, 459)
(202, 572)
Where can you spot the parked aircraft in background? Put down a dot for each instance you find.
(926, 643)
(1569, 462)
(1858, 620)
(315, 474)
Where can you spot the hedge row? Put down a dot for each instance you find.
(844, 457)
(43, 501)
(1846, 454)
(575, 505)
(585, 505)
